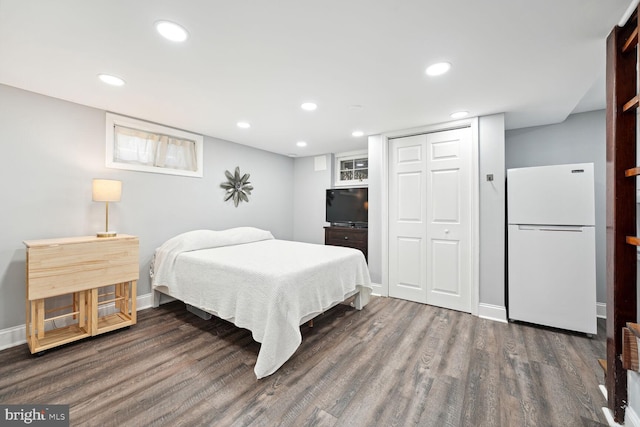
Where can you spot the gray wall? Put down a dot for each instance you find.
(309, 188)
(579, 139)
(492, 209)
(52, 149)
(376, 152)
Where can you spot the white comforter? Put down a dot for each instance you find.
(265, 285)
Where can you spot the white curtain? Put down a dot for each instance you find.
(153, 149)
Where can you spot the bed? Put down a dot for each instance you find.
(268, 286)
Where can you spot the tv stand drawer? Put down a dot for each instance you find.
(356, 238)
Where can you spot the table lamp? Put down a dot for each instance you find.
(106, 190)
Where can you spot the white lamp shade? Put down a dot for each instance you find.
(106, 190)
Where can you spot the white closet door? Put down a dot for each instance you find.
(430, 219)
(407, 218)
(449, 219)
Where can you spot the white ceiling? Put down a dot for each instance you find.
(257, 61)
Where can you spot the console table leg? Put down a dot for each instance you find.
(40, 317)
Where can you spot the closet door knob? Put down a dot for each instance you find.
(446, 231)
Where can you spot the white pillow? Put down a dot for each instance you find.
(205, 239)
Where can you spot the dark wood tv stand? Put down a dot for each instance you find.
(350, 237)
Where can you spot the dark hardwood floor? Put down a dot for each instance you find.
(395, 363)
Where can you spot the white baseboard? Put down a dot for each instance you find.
(144, 301)
(492, 312)
(601, 310)
(631, 418)
(377, 289)
(11, 337)
(609, 416)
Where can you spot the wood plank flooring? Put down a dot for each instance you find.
(395, 363)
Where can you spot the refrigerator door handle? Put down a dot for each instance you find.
(575, 228)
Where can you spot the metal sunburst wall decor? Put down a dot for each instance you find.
(238, 188)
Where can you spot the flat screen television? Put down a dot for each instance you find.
(348, 207)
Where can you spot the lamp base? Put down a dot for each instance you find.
(106, 234)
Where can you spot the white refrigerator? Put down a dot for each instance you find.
(551, 246)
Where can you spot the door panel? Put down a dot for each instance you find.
(410, 254)
(409, 154)
(408, 203)
(445, 149)
(445, 193)
(449, 220)
(407, 212)
(445, 276)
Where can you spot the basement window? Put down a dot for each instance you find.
(352, 168)
(148, 147)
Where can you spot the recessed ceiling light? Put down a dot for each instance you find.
(459, 114)
(438, 69)
(243, 125)
(172, 31)
(309, 106)
(301, 144)
(357, 133)
(111, 80)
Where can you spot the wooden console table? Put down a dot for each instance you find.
(87, 273)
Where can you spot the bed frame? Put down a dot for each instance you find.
(206, 315)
